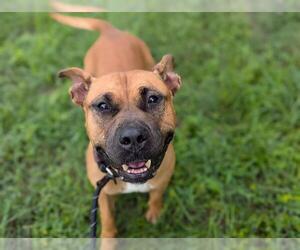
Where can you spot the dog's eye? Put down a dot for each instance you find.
(153, 99)
(103, 107)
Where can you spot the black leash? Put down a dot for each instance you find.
(93, 219)
(110, 175)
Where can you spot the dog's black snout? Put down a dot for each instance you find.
(133, 137)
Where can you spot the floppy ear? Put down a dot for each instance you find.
(165, 69)
(81, 83)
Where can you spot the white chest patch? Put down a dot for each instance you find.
(142, 188)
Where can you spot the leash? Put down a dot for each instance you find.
(110, 175)
(93, 220)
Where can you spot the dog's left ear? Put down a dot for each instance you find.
(81, 83)
(165, 69)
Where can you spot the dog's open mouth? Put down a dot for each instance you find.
(138, 171)
(137, 167)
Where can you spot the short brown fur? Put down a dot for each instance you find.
(120, 63)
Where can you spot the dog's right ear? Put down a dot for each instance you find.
(81, 83)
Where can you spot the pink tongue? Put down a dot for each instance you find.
(136, 164)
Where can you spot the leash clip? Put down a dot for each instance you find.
(110, 172)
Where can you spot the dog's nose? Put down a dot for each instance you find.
(133, 137)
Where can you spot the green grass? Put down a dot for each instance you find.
(237, 142)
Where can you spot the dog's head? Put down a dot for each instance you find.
(130, 119)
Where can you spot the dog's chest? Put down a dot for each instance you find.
(142, 188)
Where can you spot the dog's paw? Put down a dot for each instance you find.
(108, 244)
(152, 215)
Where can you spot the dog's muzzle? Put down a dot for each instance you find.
(134, 172)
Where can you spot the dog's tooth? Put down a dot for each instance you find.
(125, 167)
(148, 164)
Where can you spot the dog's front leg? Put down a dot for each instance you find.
(106, 205)
(155, 204)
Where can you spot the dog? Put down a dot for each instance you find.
(130, 120)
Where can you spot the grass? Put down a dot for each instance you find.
(237, 142)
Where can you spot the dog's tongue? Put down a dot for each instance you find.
(136, 164)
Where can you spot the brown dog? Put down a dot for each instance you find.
(129, 115)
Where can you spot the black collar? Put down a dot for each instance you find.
(104, 168)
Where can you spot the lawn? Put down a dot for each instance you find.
(237, 142)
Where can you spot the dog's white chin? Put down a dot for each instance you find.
(137, 167)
